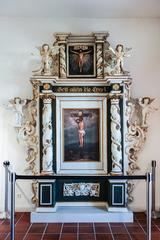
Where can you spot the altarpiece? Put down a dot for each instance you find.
(82, 121)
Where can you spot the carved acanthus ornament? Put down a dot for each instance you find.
(28, 136)
(47, 164)
(137, 114)
(81, 189)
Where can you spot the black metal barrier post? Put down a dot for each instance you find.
(13, 181)
(6, 165)
(147, 177)
(149, 204)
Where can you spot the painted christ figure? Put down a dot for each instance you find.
(81, 134)
(81, 58)
(79, 119)
(81, 129)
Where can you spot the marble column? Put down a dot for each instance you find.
(47, 158)
(116, 137)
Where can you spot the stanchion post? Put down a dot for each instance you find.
(149, 204)
(155, 214)
(12, 221)
(6, 165)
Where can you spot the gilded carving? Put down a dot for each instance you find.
(82, 89)
(46, 86)
(27, 135)
(35, 87)
(116, 87)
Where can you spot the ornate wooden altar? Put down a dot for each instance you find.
(82, 94)
(80, 122)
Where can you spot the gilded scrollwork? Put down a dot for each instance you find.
(27, 135)
(34, 198)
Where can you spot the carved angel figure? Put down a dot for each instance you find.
(145, 104)
(47, 54)
(17, 105)
(46, 59)
(114, 59)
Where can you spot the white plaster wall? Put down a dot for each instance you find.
(19, 36)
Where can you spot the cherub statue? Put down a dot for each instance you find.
(145, 104)
(17, 105)
(119, 54)
(47, 54)
(46, 61)
(114, 59)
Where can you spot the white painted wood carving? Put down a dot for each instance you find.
(116, 138)
(137, 113)
(47, 159)
(81, 189)
(53, 73)
(99, 61)
(114, 59)
(17, 106)
(27, 135)
(63, 69)
(48, 60)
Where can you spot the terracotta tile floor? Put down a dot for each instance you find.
(79, 231)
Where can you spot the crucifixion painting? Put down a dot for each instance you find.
(81, 134)
(81, 60)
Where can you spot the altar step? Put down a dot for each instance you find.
(82, 214)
